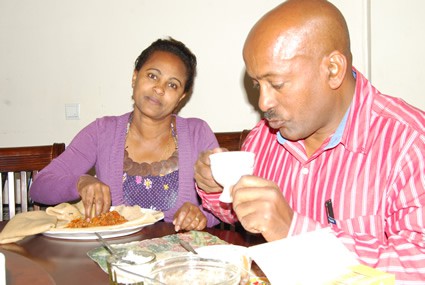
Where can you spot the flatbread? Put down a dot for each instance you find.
(135, 215)
(65, 212)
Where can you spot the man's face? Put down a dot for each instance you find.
(292, 87)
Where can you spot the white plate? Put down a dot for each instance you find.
(110, 232)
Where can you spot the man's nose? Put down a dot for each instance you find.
(265, 101)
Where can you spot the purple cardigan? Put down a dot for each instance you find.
(101, 144)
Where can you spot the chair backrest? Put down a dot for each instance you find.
(231, 140)
(15, 165)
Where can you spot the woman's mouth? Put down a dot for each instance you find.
(153, 100)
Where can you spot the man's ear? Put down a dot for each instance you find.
(337, 66)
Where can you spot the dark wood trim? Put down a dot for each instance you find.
(28, 158)
(231, 140)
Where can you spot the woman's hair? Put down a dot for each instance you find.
(177, 48)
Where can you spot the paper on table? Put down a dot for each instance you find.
(2, 269)
(311, 258)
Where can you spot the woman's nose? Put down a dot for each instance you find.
(159, 89)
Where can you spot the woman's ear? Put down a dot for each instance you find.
(134, 78)
(181, 98)
(337, 67)
(180, 103)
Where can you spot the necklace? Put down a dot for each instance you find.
(168, 147)
(161, 167)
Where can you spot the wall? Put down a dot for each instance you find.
(55, 52)
(398, 45)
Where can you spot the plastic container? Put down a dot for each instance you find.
(129, 267)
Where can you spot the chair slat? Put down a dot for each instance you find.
(24, 191)
(1, 198)
(11, 193)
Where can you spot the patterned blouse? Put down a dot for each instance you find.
(152, 185)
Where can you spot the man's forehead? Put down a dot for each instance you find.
(287, 45)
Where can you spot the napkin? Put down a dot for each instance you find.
(311, 258)
(27, 224)
(36, 222)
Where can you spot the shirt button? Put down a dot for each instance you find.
(304, 171)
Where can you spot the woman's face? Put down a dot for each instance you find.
(158, 86)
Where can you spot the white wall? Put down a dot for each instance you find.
(398, 49)
(54, 52)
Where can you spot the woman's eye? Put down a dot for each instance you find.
(151, 76)
(173, 85)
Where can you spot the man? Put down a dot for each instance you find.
(332, 151)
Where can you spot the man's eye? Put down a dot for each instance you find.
(255, 85)
(277, 86)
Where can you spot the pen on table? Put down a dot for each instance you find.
(330, 212)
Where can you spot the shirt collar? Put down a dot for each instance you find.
(335, 139)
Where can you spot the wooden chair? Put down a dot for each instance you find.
(15, 165)
(232, 140)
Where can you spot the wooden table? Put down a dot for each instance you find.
(66, 262)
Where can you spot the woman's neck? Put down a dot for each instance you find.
(147, 129)
(149, 141)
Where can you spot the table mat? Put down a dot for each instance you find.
(163, 247)
(166, 246)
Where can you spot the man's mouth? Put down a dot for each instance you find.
(276, 124)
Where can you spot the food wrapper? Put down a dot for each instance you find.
(364, 275)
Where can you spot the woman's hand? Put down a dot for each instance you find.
(189, 217)
(95, 195)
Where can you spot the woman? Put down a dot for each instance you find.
(145, 157)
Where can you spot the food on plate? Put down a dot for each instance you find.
(133, 215)
(111, 218)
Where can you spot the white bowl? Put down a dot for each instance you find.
(194, 270)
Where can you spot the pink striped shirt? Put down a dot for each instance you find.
(374, 172)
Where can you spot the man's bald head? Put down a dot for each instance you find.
(300, 27)
(298, 56)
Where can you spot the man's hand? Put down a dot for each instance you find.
(203, 176)
(261, 207)
(94, 193)
(189, 217)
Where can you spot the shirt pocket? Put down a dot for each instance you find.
(371, 225)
